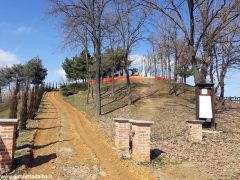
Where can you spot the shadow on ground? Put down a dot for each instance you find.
(28, 145)
(30, 162)
(155, 153)
(44, 128)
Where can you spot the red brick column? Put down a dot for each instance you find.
(7, 143)
(122, 130)
(141, 140)
(194, 132)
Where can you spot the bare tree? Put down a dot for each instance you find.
(227, 56)
(129, 27)
(154, 55)
(183, 66)
(214, 17)
(113, 44)
(89, 14)
(164, 39)
(77, 35)
(149, 63)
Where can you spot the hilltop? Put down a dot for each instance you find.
(213, 158)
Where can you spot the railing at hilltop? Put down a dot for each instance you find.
(233, 99)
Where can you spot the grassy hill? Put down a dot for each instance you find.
(213, 158)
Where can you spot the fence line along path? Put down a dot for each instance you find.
(233, 99)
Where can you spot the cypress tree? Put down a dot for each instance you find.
(24, 111)
(31, 104)
(36, 100)
(14, 102)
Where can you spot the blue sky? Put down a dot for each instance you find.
(26, 32)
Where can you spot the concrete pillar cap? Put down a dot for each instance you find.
(133, 121)
(8, 120)
(141, 122)
(121, 119)
(196, 121)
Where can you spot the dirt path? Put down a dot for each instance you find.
(46, 141)
(69, 146)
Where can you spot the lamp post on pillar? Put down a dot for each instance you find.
(205, 102)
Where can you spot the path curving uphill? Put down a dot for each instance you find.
(68, 146)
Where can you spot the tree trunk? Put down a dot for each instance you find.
(222, 88)
(217, 74)
(175, 67)
(1, 95)
(185, 79)
(162, 66)
(191, 41)
(205, 65)
(195, 70)
(176, 55)
(169, 68)
(165, 68)
(211, 72)
(88, 89)
(113, 81)
(88, 73)
(128, 80)
(97, 78)
(9, 87)
(155, 67)
(155, 63)
(203, 74)
(92, 91)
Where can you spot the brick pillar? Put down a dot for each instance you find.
(7, 143)
(194, 132)
(141, 140)
(122, 130)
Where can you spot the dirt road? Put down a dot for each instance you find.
(68, 146)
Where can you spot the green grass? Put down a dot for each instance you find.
(5, 109)
(141, 90)
(109, 102)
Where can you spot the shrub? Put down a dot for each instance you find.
(73, 88)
